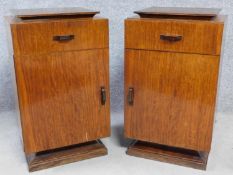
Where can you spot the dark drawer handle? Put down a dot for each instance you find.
(171, 38)
(63, 37)
(103, 95)
(131, 96)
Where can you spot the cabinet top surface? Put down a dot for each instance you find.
(53, 12)
(179, 11)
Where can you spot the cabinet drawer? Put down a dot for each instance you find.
(202, 37)
(59, 35)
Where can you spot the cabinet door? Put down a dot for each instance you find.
(60, 98)
(170, 98)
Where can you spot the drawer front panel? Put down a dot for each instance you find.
(55, 36)
(200, 37)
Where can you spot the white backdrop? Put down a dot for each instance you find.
(116, 11)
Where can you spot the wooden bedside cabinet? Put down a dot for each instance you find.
(61, 61)
(172, 58)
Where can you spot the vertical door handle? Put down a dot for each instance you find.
(131, 96)
(103, 95)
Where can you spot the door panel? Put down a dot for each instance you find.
(60, 98)
(173, 100)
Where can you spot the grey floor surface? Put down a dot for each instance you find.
(12, 159)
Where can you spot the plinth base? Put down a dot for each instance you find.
(56, 157)
(189, 158)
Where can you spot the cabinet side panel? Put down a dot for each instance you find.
(25, 120)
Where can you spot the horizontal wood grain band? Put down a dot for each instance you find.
(37, 37)
(199, 37)
(61, 156)
(188, 158)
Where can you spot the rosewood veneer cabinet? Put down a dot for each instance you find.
(172, 58)
(61, 59)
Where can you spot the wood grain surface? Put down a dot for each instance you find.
(36, 37)
(200, 37)
(174, 98)
(48, 159)
(179, 11)
(59, 97)
(53, 12)
(188, 158)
